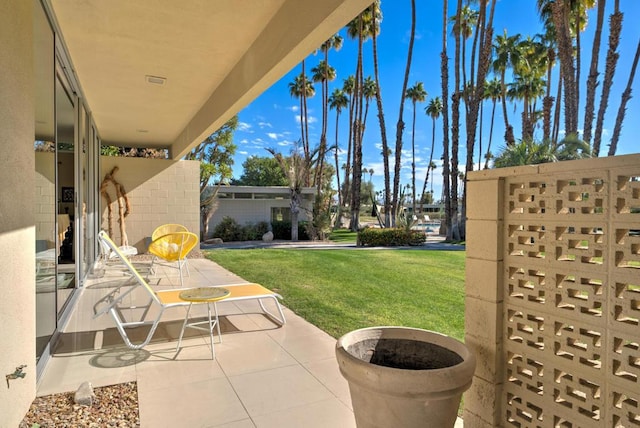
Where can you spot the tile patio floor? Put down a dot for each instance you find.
(263, 375)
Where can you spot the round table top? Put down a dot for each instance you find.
(204, 294)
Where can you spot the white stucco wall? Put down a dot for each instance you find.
(17, 231)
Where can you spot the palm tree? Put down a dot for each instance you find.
(375, 12)
(302, 88)
(560, 15)
(444, 81)
(433, 110)
(400, 124)
(492, 91)
(530, 152)
(333, 42)
(455, 129)
(369, 88)
(295, 90)
(506, 56)
(322, 74)
(528, 83)
(484, 30)
(416, 94)
(615, 28)
(463, 27)
(295, 168)
(360, 28)
(527, 88)
(432, 166)
(592, 80)
(337, 101)
(547, 43)
(348, 88)
(566, 19)
(626, 95)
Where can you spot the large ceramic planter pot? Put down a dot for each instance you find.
(404, 377)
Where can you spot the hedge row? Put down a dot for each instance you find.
(390, 237)
(229, 230)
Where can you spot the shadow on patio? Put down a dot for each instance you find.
(263, 375)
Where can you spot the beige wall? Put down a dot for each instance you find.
(160, 191)
(17, 232)
(552, 292)
(251, 211)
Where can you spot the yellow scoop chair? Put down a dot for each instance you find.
(173, 247)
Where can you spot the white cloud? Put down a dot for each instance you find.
(272, 135)
(243, 126)
(242, 152)
(310, 119)
(265, 125)
(285, 143)
(293, 108)
(244, 141)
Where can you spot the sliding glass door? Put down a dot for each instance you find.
(45, 180)
(66, 151)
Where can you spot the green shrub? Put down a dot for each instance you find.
(282, 230)
(254, 232)
(228, 230)
(390, 237)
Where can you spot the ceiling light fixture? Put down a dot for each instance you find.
(156, 80)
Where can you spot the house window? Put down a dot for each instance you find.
(280, 214)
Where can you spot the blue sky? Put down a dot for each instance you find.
(272, 120)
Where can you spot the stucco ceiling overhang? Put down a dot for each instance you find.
(216, 57)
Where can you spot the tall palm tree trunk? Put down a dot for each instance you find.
(567, 67)
(493, 114)
(400, 125)
(455, 131)
(508, 129)
(556, 116)
(444, 72)
(357, 138)
(626, 96)
(383, 128)
(547, 102)
(339, 208)
(592, 80)
(303, 112)
(433, 143)
(615, 28)
(413, 160)
(480, 136)
(346, 197)
(486, 37)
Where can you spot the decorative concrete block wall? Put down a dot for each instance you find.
(160, 191)
(553, 292)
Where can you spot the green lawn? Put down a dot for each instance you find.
(343, 236)
(342, 290)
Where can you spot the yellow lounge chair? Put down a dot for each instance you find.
(171, 298)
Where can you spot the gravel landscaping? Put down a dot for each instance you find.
(113, 406)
